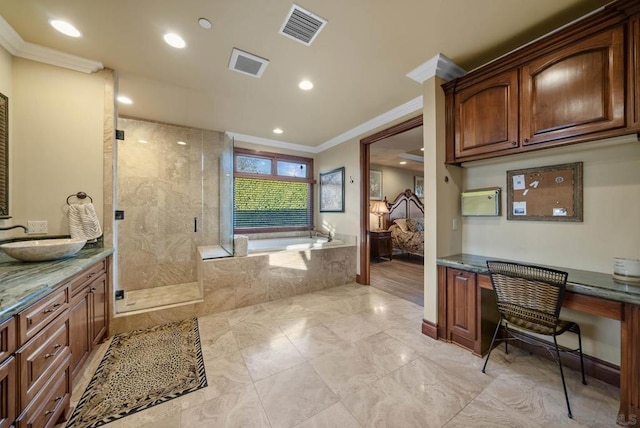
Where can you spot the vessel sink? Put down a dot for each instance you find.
(43, 249)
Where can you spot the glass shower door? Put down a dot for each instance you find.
(226, 195)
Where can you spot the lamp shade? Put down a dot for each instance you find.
(379, 208)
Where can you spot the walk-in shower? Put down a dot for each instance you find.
(175, 186)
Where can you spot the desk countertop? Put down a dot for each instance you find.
(22, 283)
(595, 284)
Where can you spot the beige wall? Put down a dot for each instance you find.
(442, 186)
(611, 211)
(610, 227)
(56, 141)
(395, 180)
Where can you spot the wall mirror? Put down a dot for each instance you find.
(4, 157)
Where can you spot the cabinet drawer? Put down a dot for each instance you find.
(51, 403)
(37, 316)
(484, 281)
(7, 338)
(8, 387)
(41, 356)
(87, 275)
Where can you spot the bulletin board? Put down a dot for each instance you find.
(547, 193)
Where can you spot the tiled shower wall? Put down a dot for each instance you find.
(162, 186)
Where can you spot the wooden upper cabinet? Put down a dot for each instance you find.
(486, 116)
(575, 91)
(634, 72)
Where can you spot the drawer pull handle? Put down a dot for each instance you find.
(48, 412)
(55, 305)
(93, 289)
(91, 275)
(58, 398)
(46, 311)
(56, 347)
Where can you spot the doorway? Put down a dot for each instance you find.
(404, 277)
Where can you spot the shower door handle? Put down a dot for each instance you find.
(195, 224)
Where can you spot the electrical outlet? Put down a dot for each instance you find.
(454, 224)
(37, 227)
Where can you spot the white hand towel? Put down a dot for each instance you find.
(83, 222)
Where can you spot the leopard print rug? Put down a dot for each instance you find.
(141, 369)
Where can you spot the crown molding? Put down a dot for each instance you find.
(409, 107)
(16, 46)
(440, 66)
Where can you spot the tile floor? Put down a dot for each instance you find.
(354, 356)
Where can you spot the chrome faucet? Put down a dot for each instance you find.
(15, 227)
(328, 235)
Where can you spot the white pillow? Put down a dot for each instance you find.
(402, 224)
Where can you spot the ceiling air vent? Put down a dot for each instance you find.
(302, 25)
(246, 63)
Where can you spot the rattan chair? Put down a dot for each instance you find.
(529, 298)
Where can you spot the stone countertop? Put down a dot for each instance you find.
(595, 284)
(23, 283)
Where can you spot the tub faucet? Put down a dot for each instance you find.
(15, 227)
(328, 235)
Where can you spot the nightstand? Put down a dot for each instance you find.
(380, 244)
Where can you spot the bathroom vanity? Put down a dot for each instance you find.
(51, 315)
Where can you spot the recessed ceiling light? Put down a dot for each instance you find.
(205, 23)
(278, 131)
(182, 143)
(65, 28)
(143, 141)
(422, 149)
(174, 40)
(403, 163)
(305, 85)
(124, 99)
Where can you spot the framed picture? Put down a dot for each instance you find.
(332, 191)
(375, 185)
(418, 186)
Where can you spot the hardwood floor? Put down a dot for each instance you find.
(403, 276)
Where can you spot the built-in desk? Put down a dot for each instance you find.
(462, 277)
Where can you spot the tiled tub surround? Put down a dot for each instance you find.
(23, 283)
(235, 282)
(263, 276)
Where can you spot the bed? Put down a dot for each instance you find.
(406, 223)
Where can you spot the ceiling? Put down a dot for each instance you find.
(358, 62)
(404, 147)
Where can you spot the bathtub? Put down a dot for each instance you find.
(290, 243)
(276, 268)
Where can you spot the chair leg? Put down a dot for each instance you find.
(506, 338)
(564, 385)
(584, 379)
(495, 334)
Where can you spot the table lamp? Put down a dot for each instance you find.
(379, 208)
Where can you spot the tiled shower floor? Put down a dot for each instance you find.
(166, 296)
(354, 356)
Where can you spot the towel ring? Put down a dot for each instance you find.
(79, 195)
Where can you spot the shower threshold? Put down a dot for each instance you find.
(159, 297)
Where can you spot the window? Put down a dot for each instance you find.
(272, 192)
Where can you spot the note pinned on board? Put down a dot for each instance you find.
(518, 182)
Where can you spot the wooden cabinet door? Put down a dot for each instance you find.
(99, 309)
(8, 392)
(486, 116)
(79, 322)
(461, 307)
(574, 91)
(634, 73)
